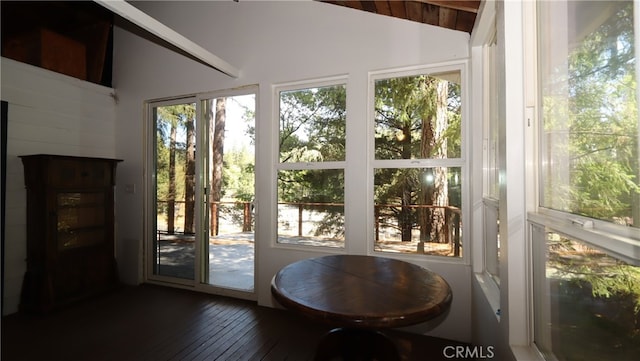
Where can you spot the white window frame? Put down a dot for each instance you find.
(461, 67)
(491, 165)
(485, 34)
(490, 118)
(278, 165)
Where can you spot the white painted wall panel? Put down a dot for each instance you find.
(48, 113)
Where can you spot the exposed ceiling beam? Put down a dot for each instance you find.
(153, 26)
(463, 5)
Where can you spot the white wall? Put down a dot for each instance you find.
(48, 113)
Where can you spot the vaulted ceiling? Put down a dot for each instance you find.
(70, 27)
(451, 14)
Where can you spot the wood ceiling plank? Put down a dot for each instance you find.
(398, 9)
(431, 14)
(451, 14)
(353, 4)
(383, 8)
(465, 21)
(448, 18)
(369, 6)
(414, 10)
(471, 6)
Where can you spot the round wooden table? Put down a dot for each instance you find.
(361, 295)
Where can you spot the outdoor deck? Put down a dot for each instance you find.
(231, 259)
(231, 256)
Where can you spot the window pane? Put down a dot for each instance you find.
(492, 239)
(418, 210)
(174, 151)
(491, 162)
(492, 132)
(589, 142)
(590, 302)
(311, 207)
(418, 117)
(229, 253)
(312, 124)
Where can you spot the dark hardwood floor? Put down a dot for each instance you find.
(160, 323)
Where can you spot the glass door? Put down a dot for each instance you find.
(202, 191)
(229, 167)
(174, 187)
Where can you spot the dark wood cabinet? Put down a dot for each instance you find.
(70, 229)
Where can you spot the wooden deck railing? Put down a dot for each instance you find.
(452, 217)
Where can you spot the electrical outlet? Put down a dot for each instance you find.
(130, 188)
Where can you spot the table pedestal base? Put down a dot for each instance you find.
(356, 345)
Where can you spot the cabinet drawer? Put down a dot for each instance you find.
(80, 173)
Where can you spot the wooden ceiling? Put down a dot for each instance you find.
(451, 14)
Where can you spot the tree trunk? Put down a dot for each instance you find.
(424, 213)
(406, 221)
(635, 196)
(427, 144)
(216, 138)
(171, 201)
(434, 185)
(190, 178)
(441, 191)
(404, 217)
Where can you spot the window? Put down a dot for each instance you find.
(491, 191)
(589, 138)
(418, 167)
(585, 236)
(310, 185)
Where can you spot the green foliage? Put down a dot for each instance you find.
(592, 121)
(311, 186)
(605, 275)
(167, 118)
(404, 106)
(602, 188)
(238, 176)
(598, 298)
(312, 124)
